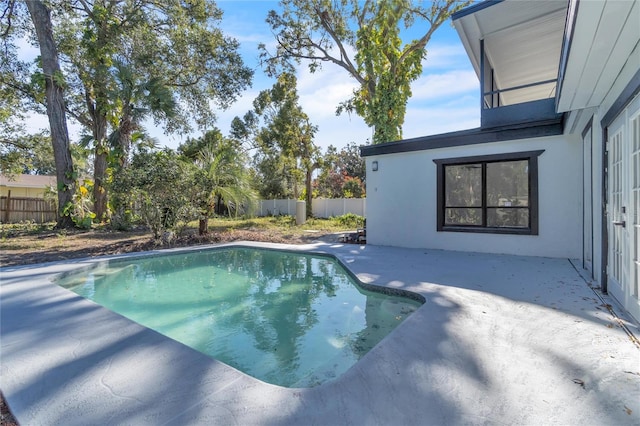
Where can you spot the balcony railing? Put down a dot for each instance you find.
(517, 105)
(492, 98)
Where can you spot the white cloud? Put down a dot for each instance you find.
(26, 50)
(322, 91)
(441, 119)
(441, 102)
(319, 95)
(340, 131)
(446, 56)
(238, 109)
(36, 123)
(445, 85)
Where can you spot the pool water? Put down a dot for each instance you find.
(290, 319)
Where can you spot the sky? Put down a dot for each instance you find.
(445, 97)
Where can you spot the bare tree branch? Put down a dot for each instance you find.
(346, 61)
(8, 15)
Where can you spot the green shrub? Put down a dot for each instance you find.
(350, 220)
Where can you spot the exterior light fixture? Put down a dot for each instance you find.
(374, 166)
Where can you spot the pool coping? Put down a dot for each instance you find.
(455, 360)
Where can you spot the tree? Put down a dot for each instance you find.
(286, 138)
(125, 61)
(221, 176)
(161, 183)
(138, 98)
(129, 60)
(272, 178)
(54, 87)
(352, 188)
(11, 116)
(342, 173)
(383, 66)
(350, 162)
(28, 154)
(213, 139)
(270, 174)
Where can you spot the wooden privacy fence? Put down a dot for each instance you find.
(321, 207)
(20, 209)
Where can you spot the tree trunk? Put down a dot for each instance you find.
(217, 208)
(126, 127)
(40, 15)
(203, 226)
(99, 190)
(296, 193)
(309, 198)
(98, 105)
(99, 130)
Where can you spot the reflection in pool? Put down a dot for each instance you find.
(290, 319)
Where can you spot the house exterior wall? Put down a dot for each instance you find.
(599, 271)
(22, 192)
(577, 123)
(579, 120)
(402, 207)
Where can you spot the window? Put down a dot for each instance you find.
(491, 193)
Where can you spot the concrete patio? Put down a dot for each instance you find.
(500, 340)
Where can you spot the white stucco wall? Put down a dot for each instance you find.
(402, 210)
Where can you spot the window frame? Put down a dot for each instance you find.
(530, 156)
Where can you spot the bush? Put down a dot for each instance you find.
(350, 220)
(80, 208)
(158, 185)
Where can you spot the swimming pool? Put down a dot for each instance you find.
(290, 319)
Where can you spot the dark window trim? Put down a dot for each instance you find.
(531, 156)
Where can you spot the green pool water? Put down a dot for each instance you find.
(294, 320)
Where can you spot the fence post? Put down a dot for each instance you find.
(8, 207)
(301, 212)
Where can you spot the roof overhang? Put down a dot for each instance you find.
(468, 137)
(522, 42)
(602, 38)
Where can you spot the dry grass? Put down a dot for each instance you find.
(22, 244)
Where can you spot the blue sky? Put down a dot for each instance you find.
(445, 98)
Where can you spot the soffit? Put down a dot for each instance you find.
(522, 41)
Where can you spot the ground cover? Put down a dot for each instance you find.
(22, 244)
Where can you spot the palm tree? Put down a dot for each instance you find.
(222, 178)
(137, 99)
